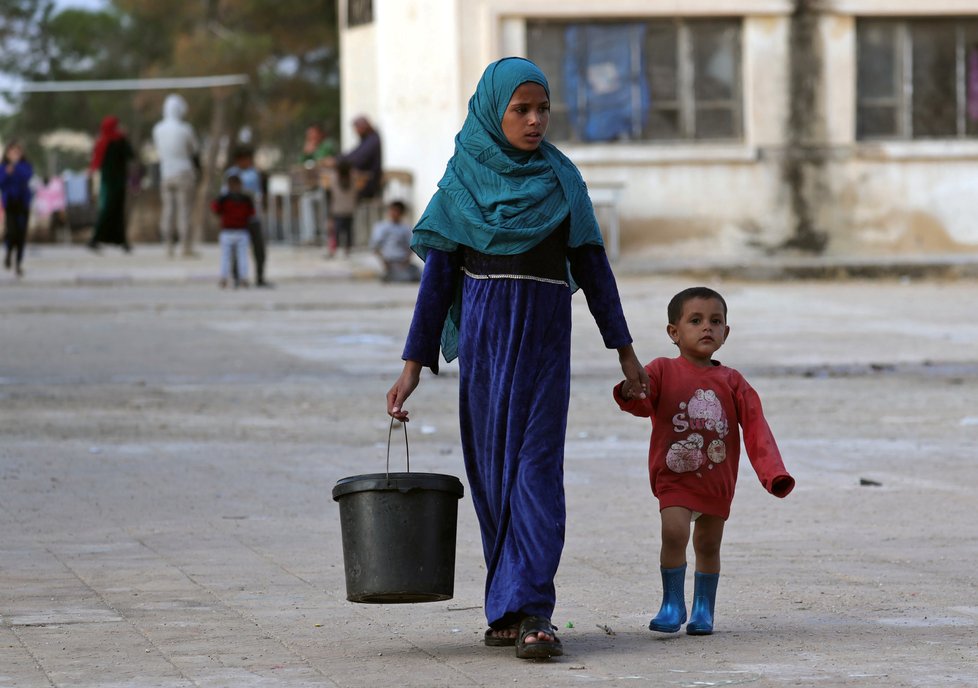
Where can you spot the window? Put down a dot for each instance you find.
(917, 78)
(359, 12)
(655, 80)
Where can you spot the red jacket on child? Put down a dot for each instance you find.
(235, 209)
(694, 453)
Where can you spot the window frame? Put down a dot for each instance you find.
(686, 104)
(359, 13)
(902, 101)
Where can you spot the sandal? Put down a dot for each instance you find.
(497, 640)
(539, 649)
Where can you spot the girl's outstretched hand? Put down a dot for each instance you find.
(636, 384)
(402, 389)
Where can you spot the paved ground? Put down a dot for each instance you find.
(167, 453)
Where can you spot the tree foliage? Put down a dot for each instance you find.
(289, 50)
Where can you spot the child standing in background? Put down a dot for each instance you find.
(342, 205)
(252, 183)
(697, 406)
(236, 209)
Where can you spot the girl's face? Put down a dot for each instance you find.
(14, 153)
(701, 330)
(527, 117)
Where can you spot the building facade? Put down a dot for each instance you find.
(724, 127)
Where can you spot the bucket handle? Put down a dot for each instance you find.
(407, 447)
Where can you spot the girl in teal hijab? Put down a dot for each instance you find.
(510, 224)
(499, 199)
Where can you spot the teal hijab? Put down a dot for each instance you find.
(496, 198)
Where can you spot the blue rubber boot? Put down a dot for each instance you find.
(672, 613)
(704, 600)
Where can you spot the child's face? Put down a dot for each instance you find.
(527, 117)
(394, 213)
(701, 330)
(234, 186)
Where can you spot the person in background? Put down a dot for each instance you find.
(236, 210)
(15, 176)
(697, 407)
(176, 145)
(367, 158)
(391, 241)
(342, 194)
(317, 153)
(317, 144)
(50, 202)
(110, 159)
(252, 183)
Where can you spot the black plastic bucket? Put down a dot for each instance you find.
(399, 532)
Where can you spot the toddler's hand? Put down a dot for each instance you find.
(623, 391)
(782, 486)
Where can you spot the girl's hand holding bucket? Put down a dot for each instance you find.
(398, 394)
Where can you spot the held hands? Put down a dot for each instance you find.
(402, 389)
(636, 384)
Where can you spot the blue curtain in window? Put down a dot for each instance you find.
(607, 93)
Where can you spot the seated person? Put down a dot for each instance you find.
(391, 241)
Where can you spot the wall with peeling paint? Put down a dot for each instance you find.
(799, 180)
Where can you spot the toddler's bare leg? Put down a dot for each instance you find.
(675, 536)
(707, 536)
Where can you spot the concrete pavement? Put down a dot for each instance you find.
(167, 452)
(148, 264)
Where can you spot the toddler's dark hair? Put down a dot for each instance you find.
(233, 179)
(400, 205)
(675, 310)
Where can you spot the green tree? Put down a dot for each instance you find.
(37, 44)
(288, 50)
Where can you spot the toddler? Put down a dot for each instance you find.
(342, 205)
(697, 406)
(236, 209)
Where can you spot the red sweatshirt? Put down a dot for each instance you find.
(694, 453)
(235, 210)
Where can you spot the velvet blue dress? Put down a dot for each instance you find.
(514, 390)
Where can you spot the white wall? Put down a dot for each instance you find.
(420, 106)
(413, 70)
(896, 197)
(401, 71)
(359, 78)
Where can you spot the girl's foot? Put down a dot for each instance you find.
(20, 271)
(502, 637)
(537, 639)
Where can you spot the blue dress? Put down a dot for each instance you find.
(514, 391)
